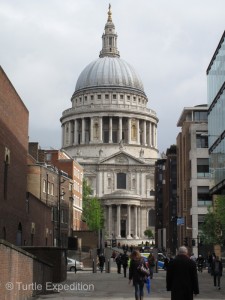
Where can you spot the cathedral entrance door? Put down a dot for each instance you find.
(123, 228)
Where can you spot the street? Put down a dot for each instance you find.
(88, 285)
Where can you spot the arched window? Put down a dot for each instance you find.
(133, 132)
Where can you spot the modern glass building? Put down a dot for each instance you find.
(216, 118)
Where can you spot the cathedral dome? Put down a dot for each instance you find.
(109, 72)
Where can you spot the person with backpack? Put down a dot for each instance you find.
(134, 274)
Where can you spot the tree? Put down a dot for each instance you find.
(148, 232)
(92, 209)
(213, 227)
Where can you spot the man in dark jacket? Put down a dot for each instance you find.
(124, 261)
(182, 277)
(217, 270)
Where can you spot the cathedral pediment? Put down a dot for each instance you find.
(122, 158)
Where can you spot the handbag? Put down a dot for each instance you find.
(143, 270)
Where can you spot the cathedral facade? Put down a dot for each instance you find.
(110, 131)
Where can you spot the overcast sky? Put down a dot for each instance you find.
(45, 44)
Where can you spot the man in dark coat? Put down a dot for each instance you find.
(124, 261)
(182, 277)
(217, 270)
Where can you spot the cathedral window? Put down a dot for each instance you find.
(107, 96)
(128, 98)
(109, 182)
(121, 181)
(99, 97)
(133, 132)
(96, 131)
(114, 96)
(121, 96)
(85, 98)
(92, 97)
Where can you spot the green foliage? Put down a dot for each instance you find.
(213, 227)
(148, 232)
(92, 209)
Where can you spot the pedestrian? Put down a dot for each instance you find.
(118, 262)
(124, 262)
(135, 275)
(200, 262)
(217, 270)
(193, 257)
(182, 277)
(101, 259)
(151, 264)
(166, 262)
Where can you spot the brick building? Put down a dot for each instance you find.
(56, 179)
(19, 211)
(13, 153)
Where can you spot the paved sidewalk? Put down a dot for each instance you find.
(112, 286)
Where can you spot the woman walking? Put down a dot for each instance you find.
(135, 275)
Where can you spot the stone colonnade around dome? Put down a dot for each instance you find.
(112, 129)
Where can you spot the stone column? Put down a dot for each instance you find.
(156, 136)
(138, 132)
(129, 130)
(135, 222)
(128, 222)
(110, 220)
(118, 221)
(91, 130)
(75, 137)
(100, 130)
(120, 128)
(110, 130)
(149, 134)
(83, 132)
(153, 135)
(139, 221)
(63, 135)
(144, 133)
(69, 133)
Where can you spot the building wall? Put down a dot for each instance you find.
(13, 154)
(39, 222)
(189, 178)
(216, 116)
(18, 266)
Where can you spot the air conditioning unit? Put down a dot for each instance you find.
(7, 156)
(32, 228)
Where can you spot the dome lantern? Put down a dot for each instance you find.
(109, 38)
